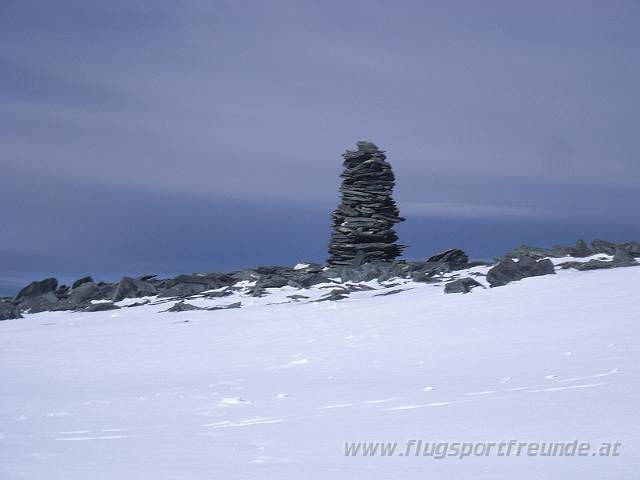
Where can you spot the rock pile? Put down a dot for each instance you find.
(455, 258)
(462, 285)
(621, 258)
(9, 311)
(580, 250)
(508, 270)
(363, 222)
(89, 296)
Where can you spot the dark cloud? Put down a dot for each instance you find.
(169, 136)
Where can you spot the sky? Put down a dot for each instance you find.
(171, 137)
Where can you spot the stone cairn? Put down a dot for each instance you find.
(363, 222)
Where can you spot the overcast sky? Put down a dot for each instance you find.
(168, 137)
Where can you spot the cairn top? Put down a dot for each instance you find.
(367, 147)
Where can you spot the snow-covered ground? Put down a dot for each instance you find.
(275, 389)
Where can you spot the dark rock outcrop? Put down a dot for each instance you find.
(309, 268)
(308, 280)
(133, 288)
(455, 258)
(580, 250)
(183, 307)
(146, 277)
(363, 222)
(101, 307)
(37, 289)
(277, 277)
(272, 281)
(62, 291)
(334, 295)
(510, 270)
(225, 307)
(462, 285)
(621, 258)
(218, 294)
(83, 293)
(632, 248)
(428, 272)
(187, 307)
(82, 280)
(297, 297)
(390, 292)
(187, 285)
(256, 291)
(340, 279)
(534, 252)
(602, 246)
(361, 273)
(38, 296)
(9, 311)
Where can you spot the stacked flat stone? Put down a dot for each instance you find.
(363, 223)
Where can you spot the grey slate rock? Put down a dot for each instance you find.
(358, 288)
(360, 259)
(138, 304)
(146, 278)
(244, 275)
(256, 291)
(390, 292)
(82, 280)
(9, 311)
(182, 290)
(271, 281)
(37, 289)
(632, 248)
(534, 252)
(62, 291)
(297, 296)
(580, 250)
(308, 280)
(381, 271)
(361, 273)
(101, 307)
(621, 258)
(590, 265)
(106, 290)
(41, 303)
(310, 268)
(226, 307)
(133, 288)
(218, 294)
(428, 272)
(187, 285)
(509, 270)
(83, 293)
(454, 257)
(209, 280)
(334, 295)
(183, 307)
(391, 270)
(81, 296)
(480, 263)
(424, 277)
(602, 246)
(462, 285)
